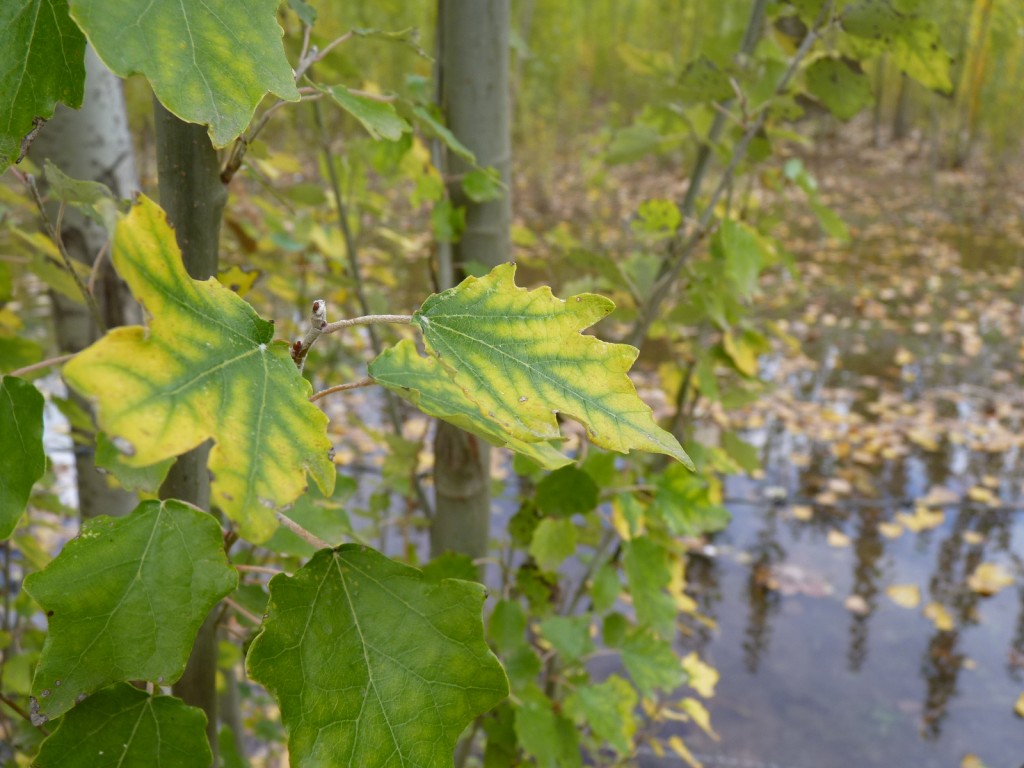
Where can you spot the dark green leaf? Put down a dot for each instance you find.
(648, 575)
(22, 460)
(566, 492)
(134, 479)
(840, 85)
(546, 736)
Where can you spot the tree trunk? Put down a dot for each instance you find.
(474, 90)
(193, 196)
(92, 144)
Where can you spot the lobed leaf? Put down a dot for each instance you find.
(209, 64)
(22, 460)
(372, 663)
(205, 368)
(423, 382)
(124, 726)
(42, 61)
(125, 600)
(522, 357)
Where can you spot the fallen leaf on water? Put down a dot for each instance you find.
(890, 530)
(803, 512)
(939, 496)
(922, 519)
(857, 605)
(971, 761)
(982, 495)
(940, 617)
(904, 595)
(973, 538)
(1019, 706)
(676, 745)
(989, 578)
(702, 677)
(838, 539)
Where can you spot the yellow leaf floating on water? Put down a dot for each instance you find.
(838, 539)
(890, 530)
(1019, 707)
(904, 595)
(989, 578)
(676, 745)
(939, 616)
(700, 716)
(971, 761)
(982, 495)
(973, 538)
(703, 677)
(922, 519)
(802, 512)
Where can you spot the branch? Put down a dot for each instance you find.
(367, 382)
(41, 364)
(257, 569)
(257, 620)
(337, 325)
(311, 539)
(317, 323)
(20, 712)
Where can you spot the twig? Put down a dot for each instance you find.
(90, 300)
(257, 569)
(366, 320)
(302, 533)
(41, 364)
(96, 266)
(367, 382)
(317, 322)
(21, 712)
(257, 620)
(316, 54)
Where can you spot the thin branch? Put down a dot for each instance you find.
(257, 569)
(367, 382)
(41, 364)
(257, 620)
(316, 54)
(310, 538)
(337, 325)
(90, 300)
(96, 266)
(21, 712)
(317, 322)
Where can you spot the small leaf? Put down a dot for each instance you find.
(522, 357)
(434, 127)
(305, 12)
(651, 663)
(703, 81)
(840, 85)
(125, 600)
(206, 367)
(550, 738)
(22, 460)
(377, 117)
(649, 574)
(507, 627)
(372, 664)
(219, 67)
(448, 221)
(424, 383)
(702, 677)
(608, 708)
(940, 617)
(989, 578)
(1019, 706)
(904, 595)
(553, 541)
(42, 61)
(124, 726)
(482, 185)
(567, 492)
(569, 635)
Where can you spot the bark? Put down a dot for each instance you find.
(92, 144)
(474, 94)
(193, 196)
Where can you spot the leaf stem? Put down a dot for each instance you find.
(367, 382)
(257, 620)
(257, 569)
(366, 320)
(310, 538)
(90, 300)
(41, 364)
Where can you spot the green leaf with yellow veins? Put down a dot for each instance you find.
(207, 64)
(206, 367)
(372, 663)
(522, 357)
(423, 382)
(124, 726)
(22, 460)
(125, 600)
(42, 61)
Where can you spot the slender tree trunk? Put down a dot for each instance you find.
(475, 99)
(93, 144)
(901, 114)
(193, 196)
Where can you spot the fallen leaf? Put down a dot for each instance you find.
(904, 595)
(989, 578)
(857, 605)
(1019, 706)
(890, 530)
(974, 538)
(982, 495)
(838, 539)
(971, 761)
(803, 512)
(922, 519)
(940, 617)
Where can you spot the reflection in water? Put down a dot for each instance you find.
(762, 598)
(868, 548)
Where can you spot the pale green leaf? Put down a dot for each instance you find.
(569, 635)
(434, 127)
(550, 738)
(125, 600)
(123, 726)
(507, 626)
(522, 356)
(22, 460)
(207, 64)
(42, 61)
(423, 382)
(608, 708)
(685, 502)
(651, 662)
(372, 664)
(553, 541)
(377, 117)
(205, 368)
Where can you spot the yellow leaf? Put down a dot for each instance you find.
(982, 495)
(989, 578)
(741, 353)
(702, 677)
(838, 539)
(676, 745)
(890, 530)
(973, 538)
(939, 616)
(922, 519)
(904, 595)
(803, 512)
(971, 761)
(1019, 706)
(700, 716)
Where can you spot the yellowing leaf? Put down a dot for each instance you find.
(742, 354)
(971, 761)
(989, 578)
(521, 356)
(802, 512)
(904, 595)
(922, 519)
(890, 530)
(838, 539)
(205, 368)
(702, 677)
(1019, 706)
(982, 495)
(700, 715)
(676, 745)
(939, 616)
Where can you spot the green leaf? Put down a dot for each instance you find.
(648, 574)
(205, 368)
(208, 65)
(608, 709)
(134, 479)
(93, 198)
(743, 254)
(482, 185)
(742, 452)
(372, 664)
(632, 143)
(546, 736)
(22, 460)
(553, 541)
(451, 565)
(658, 218)
(507, 626)
(522, 357)
(125, 600)
(830, 221)
(703, 81)
(305, 12)
(434, 127)
(42, 61)
(567, 492)
(448, 221)
(685, 502)
(16, 352)
(840, 85)
(651, 663)
(423, 382)
(378, 117)
(569, 635)
(124, 726)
